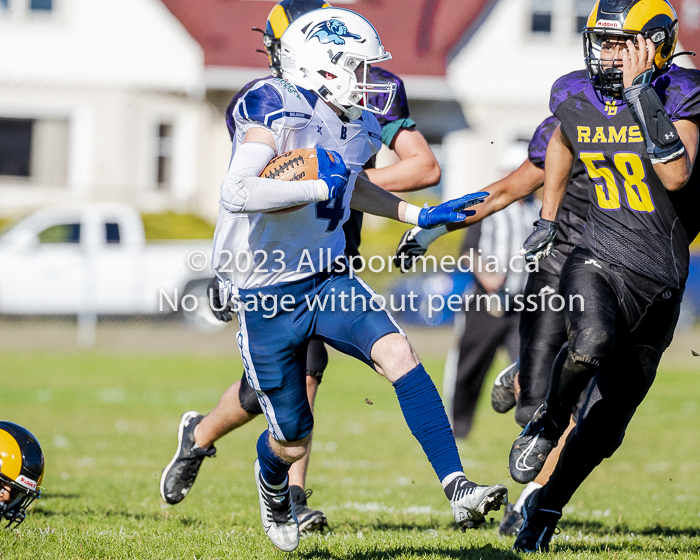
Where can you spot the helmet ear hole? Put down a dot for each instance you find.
(327, 75)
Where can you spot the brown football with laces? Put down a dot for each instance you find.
(297, 165)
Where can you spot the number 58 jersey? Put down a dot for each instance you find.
(259, 249)
(632, 221)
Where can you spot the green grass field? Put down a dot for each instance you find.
(107, 424)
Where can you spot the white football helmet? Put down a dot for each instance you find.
(322, 50)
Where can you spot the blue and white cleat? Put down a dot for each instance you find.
(471, 504)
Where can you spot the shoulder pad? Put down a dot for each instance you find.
(275, 99)
(229, 114)
(679, 91)
(399, 107)
(566, 86)
(537, 148)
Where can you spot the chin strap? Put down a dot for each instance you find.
(689, 53)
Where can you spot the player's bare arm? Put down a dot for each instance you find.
(417, 169)
(637, 70)
(675, 174)
(515, 186)
(557, 167)
(557, 172)
(261, 136)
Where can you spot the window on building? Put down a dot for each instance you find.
(15, 147)
(3, 7)
(541, 18)
(41, 5)
(583, 9)
(164, 155)
(62, 233)
(112, 234)
(34, 149)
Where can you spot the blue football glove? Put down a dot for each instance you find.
(450, 211)
(332, 171)
(538, 244)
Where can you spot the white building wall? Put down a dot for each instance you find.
(113, 71)
(100, 43)
(502, 78)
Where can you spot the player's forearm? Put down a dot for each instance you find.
(245, 195)
(675, 174)
(411, 174)
(372, 199)
(557, 166)
(515, 186)
(243, 191)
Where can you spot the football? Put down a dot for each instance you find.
(297, 165)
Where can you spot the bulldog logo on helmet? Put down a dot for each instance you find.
(331, 31)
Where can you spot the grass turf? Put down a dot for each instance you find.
(108, 426)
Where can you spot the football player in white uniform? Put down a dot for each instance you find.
(322, 100)
(417, 168)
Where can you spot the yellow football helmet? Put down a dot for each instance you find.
(21, 469)
(284, 13)
(653, 19)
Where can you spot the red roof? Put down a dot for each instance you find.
(420, 34)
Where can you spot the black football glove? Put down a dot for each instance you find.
(414, 243)
(409, 248)
(221, 312)
(538, 245)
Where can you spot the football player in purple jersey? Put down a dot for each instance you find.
(631, 118)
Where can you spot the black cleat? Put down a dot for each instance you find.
(511, 522)
(539, 526)
(503, 391)
(180, 474)
(310, 520)
(532, 447)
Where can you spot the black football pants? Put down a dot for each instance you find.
(542, 334)
(619, 350)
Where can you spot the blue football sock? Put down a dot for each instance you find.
(425, 415)
(273, 469)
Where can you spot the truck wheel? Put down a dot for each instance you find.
(199, 317)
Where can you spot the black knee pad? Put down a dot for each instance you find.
(590, 345)
(316, 359)
(248, 398)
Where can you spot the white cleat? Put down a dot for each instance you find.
(277, 513)
(472, 504)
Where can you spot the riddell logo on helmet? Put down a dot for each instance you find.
(608, 23)
(26, 482)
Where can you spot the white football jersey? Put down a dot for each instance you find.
(257, 249)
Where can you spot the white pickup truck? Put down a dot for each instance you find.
(93, 258)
